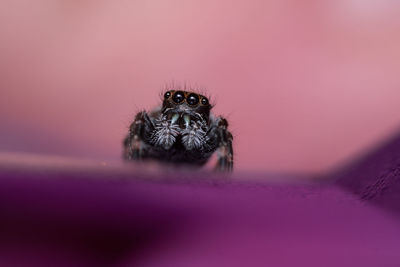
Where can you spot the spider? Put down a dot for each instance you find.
(182, 130)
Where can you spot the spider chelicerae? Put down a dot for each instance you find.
(182, 130)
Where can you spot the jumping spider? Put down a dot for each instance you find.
(181, 131)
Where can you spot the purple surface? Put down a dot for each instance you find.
(54, 213)
(376, 177)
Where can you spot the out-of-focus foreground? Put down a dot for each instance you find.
(57, 211)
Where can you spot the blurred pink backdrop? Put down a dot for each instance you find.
(306, 85)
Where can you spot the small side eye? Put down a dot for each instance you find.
(204, 101)
(192, 99)
(167, 95)
(178, 97)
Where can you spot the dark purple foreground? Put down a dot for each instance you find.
(56, 213)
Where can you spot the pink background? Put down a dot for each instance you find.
(306, 85)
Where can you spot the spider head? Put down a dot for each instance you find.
(187, 105)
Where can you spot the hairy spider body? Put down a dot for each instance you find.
(181, 131)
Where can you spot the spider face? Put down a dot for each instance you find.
(185, 107)
(181, 131)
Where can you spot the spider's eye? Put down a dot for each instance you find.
(178, 97)
(192, 99)
(204, 101)
(167, 95)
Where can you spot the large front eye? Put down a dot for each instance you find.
(192, 99)
(167, 95)
(178, 97)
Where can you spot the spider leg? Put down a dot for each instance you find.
(139, 131)
(224, 150)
